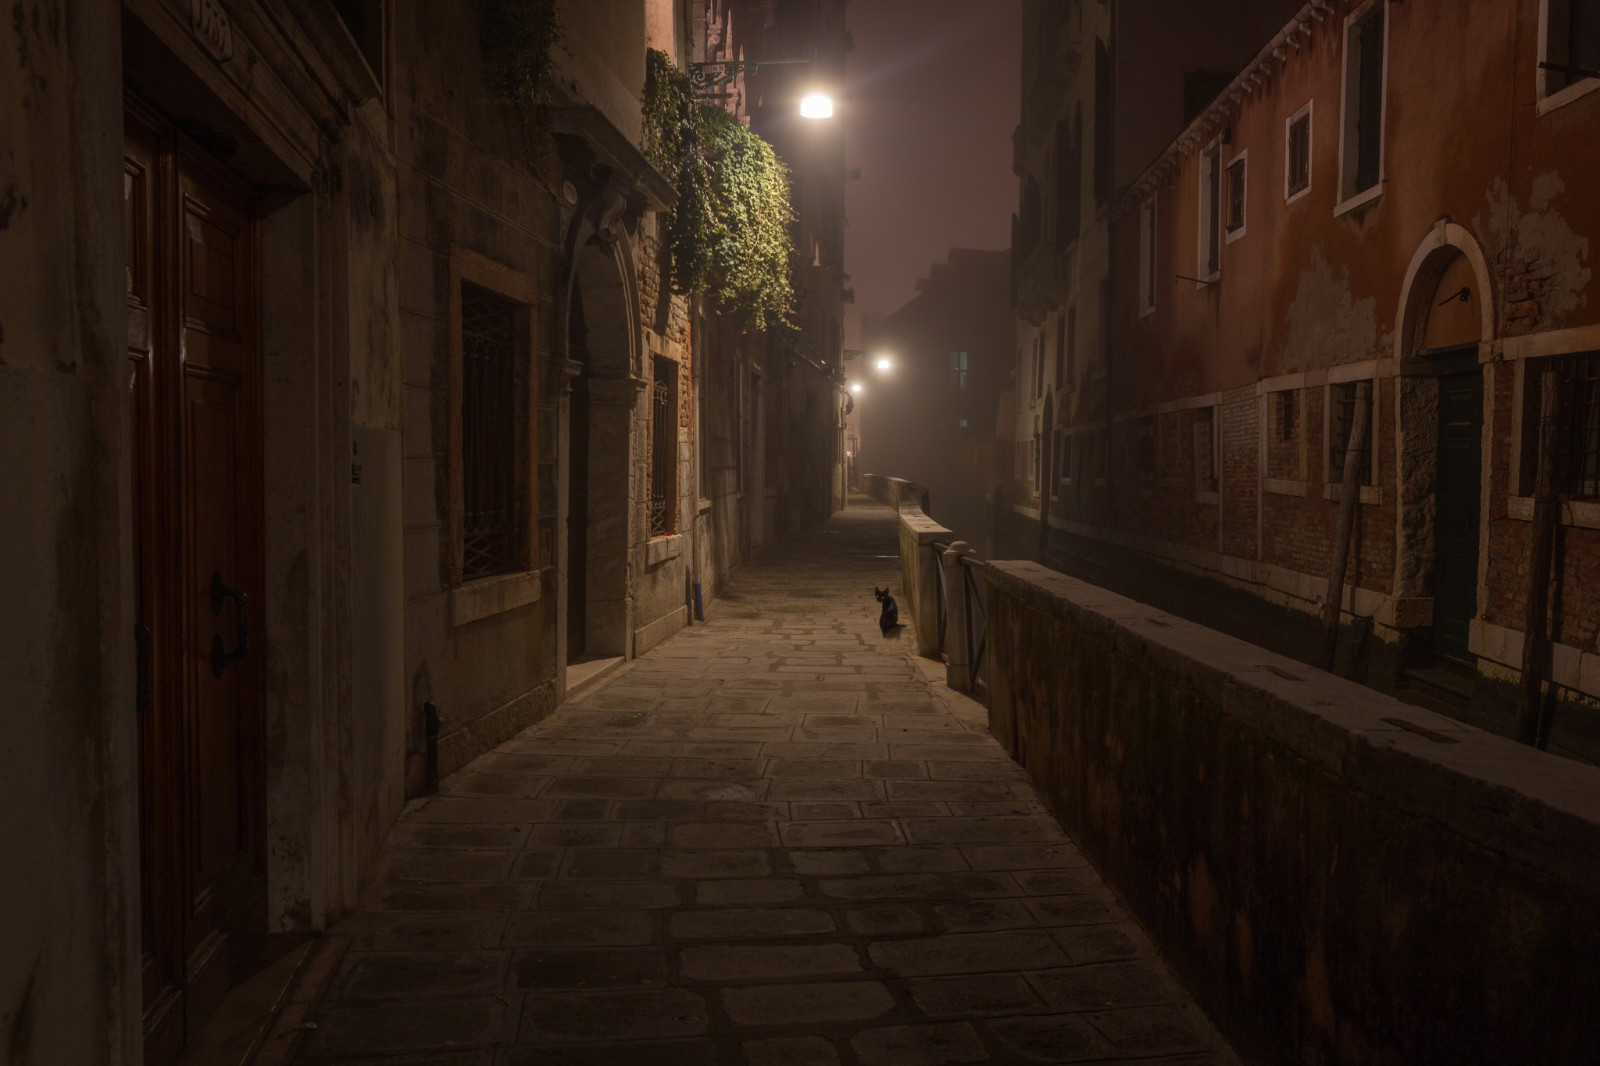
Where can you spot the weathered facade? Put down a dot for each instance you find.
(931, 417)
(346, 412)
(1386, 194)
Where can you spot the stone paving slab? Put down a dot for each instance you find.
(776, 840)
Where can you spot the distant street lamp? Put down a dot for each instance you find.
(856, 388)
(883, 364)
(816, 105)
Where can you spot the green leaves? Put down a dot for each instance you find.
(728, 234)
(516, 36)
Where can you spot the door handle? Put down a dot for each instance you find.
(221, 656)
(141, 666)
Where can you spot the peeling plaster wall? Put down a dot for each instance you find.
(69, 991)
(1537, 256)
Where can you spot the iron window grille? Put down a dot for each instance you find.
(1341, 419)
(1299, 161)
(1205, 451)
(663, 448)
(1286, 416)
(1577, 429)
(490, 343)
(1236, 178)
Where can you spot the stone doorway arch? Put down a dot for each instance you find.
(600, 334)
(1443, 334)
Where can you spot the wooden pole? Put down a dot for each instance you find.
(1535, 635)
(1339, 561)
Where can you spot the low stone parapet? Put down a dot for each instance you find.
(1339, 877)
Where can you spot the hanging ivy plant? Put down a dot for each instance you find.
(517, 36)
(728, 234)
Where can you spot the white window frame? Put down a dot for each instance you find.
(1147, 257)
(1291, 195)
(1243, 162)
(1352, 375)
(1349, 199)
(1548, 101)
(1209, 191)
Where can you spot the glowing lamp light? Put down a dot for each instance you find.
(856, 388)
(884, 364)
(817, 105)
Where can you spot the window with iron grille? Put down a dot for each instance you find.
(1297, 161)
(1341, 420)
(1571, 43)
(1577, 430)
(491, 345)
(1362, 146)
(1205, 449)
(664, 449)
(1236, 194)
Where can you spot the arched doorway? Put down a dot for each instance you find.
(602, 334)
(1445, 321)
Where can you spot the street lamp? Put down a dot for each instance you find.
(856, 388)
(713, 75)
(816, 106)
(883, 364)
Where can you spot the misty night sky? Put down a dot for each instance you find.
(934, 95)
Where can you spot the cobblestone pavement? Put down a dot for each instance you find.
(775, 839)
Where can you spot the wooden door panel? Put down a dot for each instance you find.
(1457, 511)
(194, 389)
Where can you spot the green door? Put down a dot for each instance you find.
(1455, 565)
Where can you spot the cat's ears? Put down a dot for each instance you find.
(876, 591)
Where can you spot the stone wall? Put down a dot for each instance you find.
(1338, 877)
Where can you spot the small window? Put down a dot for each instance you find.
(1210, 261)
(1035, 458)
(1061, 350)
(1064, 462)
(1297, 156)
(1069, 179)
(1285, 450)
(1103, 140)
(1038, 364)
(1055, 458)
(1236, 194)
(1144, 449)
(1571, 44)
(1072, 346)
(961, 423)
(1361, 150)
(1147, 257)
(1205, 450)
(493, 428)
(1341, 420)
(1577, 465)
(664, 449)
(958, 369)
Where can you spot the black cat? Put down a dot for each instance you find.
(890, 618)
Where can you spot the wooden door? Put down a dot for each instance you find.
(1455, 564)
(194, 385)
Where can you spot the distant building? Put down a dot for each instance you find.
(1391, 194)
(931, 417)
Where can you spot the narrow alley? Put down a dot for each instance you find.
(776, 838)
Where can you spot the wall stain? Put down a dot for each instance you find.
(1537, 256)
(1327, 324)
